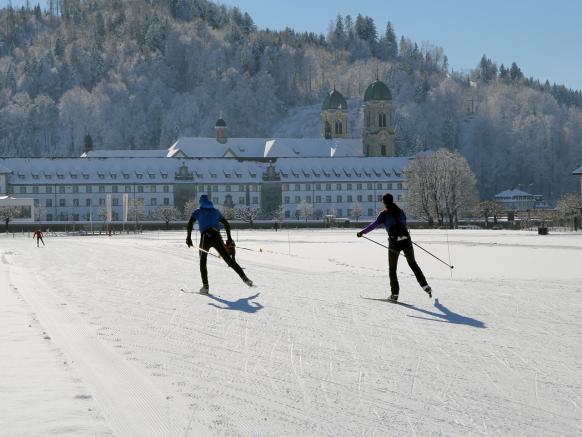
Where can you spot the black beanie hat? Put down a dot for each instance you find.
(387, 199)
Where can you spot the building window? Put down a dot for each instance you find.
(382, 119)
(339, 199)
(75, 202)
(389, 186)
(307, 187)
(368, 118)
(297, 187)
(152, 188)
(359, 186)
(49, 217)
(140, 188)
(128, 188)
(87, 202)
(297, 199)
(359, 197)
(383, 150)
(49, 189)
(114, 189)
(75, 217)
(318, 186)
(241, 200)
(49, 203)
(287, 213)
(62, 203)
(62, 189)
(102, 188)
(166, 188)
(215, 200)
(349, 186)
(370, 212)
(349, 198)
(370, 186)
(327, 187)
(328, 199)
(400, 185)
(318, 199)
(166, 200)
(115, 201)
(338, 128)
(75, 189)
(88, 189)
(101, 201)
(370, 198)
(35, 189)
(154, 201)
(338, 187)
(340, 212)
(255, 200)
(308, 199)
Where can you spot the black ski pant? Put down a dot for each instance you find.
(404, 246)
(213, 239)
(39, 239)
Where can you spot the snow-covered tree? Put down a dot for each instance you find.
(247, 214)
(9, 213)
(166, 214)
(570, 209)
(489, 208)
(357, 211)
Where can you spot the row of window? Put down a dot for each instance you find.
(341, 187)
(63, 189)
(61, 176)
(337, 212)
(382, 119)
(75, 202)
(338, 199)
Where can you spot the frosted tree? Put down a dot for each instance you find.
(357, 211)
(305, 209)
(166, 214)
(189, 208)
(247, 214)
(570, 209)
(9, 213)
(489, 208)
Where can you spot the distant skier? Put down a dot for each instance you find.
(38, 235)
(209, 219)
(394, 220)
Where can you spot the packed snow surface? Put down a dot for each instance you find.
(97, 338)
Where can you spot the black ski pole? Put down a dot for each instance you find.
(384, 246)
(434, 256)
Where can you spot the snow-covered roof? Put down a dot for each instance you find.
(197, 147)
(144, 153)
(199, 170)
(578, 171)
(512, 193)
(201, 147)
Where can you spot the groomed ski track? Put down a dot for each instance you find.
(496, 353)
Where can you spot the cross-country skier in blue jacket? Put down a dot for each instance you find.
(209, 220)
(394, 220)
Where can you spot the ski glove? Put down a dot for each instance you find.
(189, 242)
(359, 234)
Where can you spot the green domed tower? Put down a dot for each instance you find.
(220, 130)
(378, 120)
(334, 115)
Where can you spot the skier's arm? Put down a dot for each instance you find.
(227, 229)
(190, 227)
(371, 226)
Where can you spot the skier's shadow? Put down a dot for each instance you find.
(243, 304)
(446, 315)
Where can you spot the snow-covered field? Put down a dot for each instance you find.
(96, 338)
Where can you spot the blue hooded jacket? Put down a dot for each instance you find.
(206, 215)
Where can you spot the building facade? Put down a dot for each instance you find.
(333, 175)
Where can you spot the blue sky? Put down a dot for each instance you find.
(543, 37)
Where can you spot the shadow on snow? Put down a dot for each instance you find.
(243, 304)
(445, 315)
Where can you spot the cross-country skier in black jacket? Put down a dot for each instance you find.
(394, 220)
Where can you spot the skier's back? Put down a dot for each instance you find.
(209, 220)
(394, 220)
(38, 235)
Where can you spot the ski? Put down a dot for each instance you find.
(383, 300)
(183, 290)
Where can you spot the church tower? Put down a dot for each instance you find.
(378, 120)
(220, 130)
(334, 116)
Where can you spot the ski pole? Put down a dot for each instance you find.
(246, 248)
(434, 256)
(205, 251)
(385, 247)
